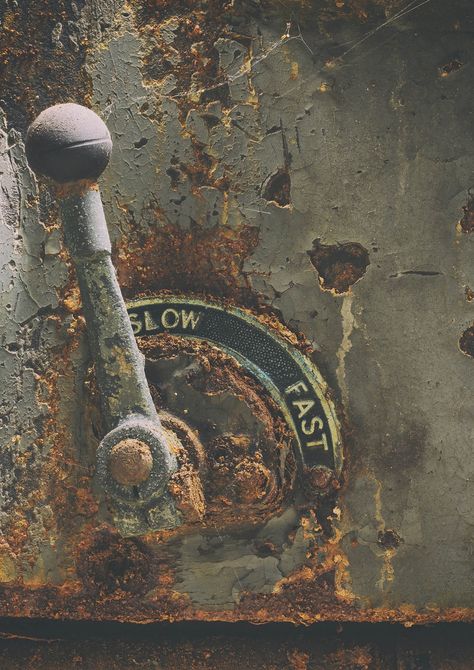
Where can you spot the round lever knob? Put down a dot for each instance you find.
(68, 142)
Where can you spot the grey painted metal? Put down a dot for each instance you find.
(119, 365)
(69, 143)
(381, 154)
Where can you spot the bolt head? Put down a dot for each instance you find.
(319, 480)
(130, 462)
(163, 463)
(68, 142)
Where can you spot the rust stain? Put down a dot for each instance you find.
(466, 224)
(132, 580)
(339, 266)
(359, 658)
(244, 478)
(294, 70)
(56, 480)
(466, 341)
(198, 259)
(469, 293)
(105, 576)
(298, 659)
(448, 68)
(27, 55)
(72, 300)
(79, 187)
(117, 602)
(109, 564)
(186, 485)
(179, 39)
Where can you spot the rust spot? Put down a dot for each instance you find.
(246, 475)
(466, 224)
(199, 173)
(298, 659)
(466, 342)
(109, 564)
(389, 539)
(130, 462)
(310, 584)
(277, 188)
(448, 68)
(179, 38)
(253, 481)
(339, 266)
(72, 300)
(319, 481)
(265, 548)
(469, 293)
(207, 260)
(80, 187)
(185, 485)
(358, 658)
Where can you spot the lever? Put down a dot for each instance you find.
(71, 145)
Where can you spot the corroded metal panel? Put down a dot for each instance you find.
(308, 164)
(44, 646)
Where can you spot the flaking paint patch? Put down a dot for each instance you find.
(216, 571)
(333, 189)
(348, 325)
(387, 573)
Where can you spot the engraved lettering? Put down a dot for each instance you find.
(323, 442)
(170, 318)
(315, 422)
(298, 388)
(190, 318)
(150, 323)
(303, 406)
(297, 392)
(137, 323)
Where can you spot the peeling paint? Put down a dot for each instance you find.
(348, 325)
(242, 134)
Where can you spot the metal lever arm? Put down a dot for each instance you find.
(119, 366)
(71, 144)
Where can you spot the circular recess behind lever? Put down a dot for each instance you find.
(289, 376)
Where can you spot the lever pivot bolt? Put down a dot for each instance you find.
(130, 462)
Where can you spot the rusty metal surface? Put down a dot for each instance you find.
(301, 160)
(39, 646)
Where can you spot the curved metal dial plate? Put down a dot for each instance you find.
(289, 376)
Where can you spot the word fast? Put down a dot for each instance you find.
(309, 422)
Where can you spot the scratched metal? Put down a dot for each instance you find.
(253, 163)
